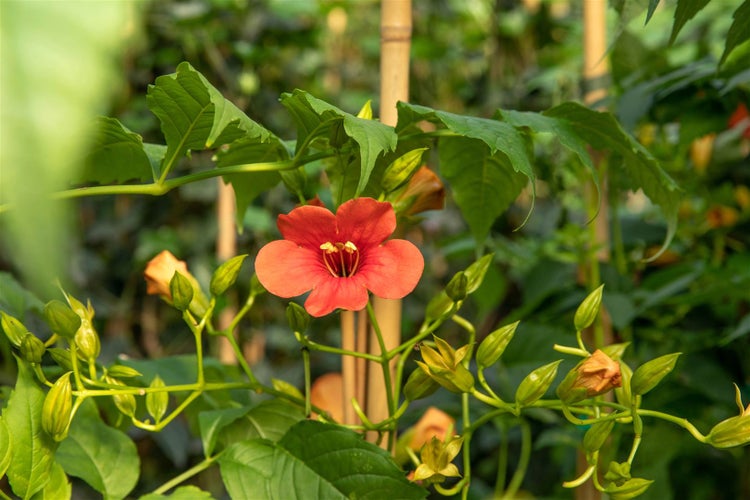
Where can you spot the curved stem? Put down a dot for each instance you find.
(523, 461)
(192, 471)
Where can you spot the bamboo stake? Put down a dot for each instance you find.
(226, 247)
(395, 44)
(595, 79)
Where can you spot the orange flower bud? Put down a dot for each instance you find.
(721, 216)
(159, 272)
(424, 191)
(594, 375)
(327, 393)
(434, 423)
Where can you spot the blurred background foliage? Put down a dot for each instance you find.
(469, 57)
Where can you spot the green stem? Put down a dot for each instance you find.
(523, 461)
(466, 428)
(308, 382)
(386, 367)
(192, 471)
(314, 346)
(502, 461)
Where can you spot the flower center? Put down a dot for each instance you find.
(341, 259)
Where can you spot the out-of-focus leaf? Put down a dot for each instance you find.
(685, 11)
(117, 155)
(739, 31)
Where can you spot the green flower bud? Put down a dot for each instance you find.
(475, 273)
(536, 383)
(123, 401)
(226, 275)
(493, 346)
(157, 401)
(13, 328)
(122, 371)
(456, 287)
(61, 357)
(286, 388)
(419, 385)
(439, 306)
(297, 317)
(589, 308)
(294, 180)
(32, 349)
(734, 431)
(87, 341)
(401, 169)
(597, 435)
(618, 473)
(182, 291)
(629, 489)
(623, 393)
(649, 374)
(57, 408)
(61, 319)
(366, 111)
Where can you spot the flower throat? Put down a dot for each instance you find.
(341, 259)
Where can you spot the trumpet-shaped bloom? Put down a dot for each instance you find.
(338, 258)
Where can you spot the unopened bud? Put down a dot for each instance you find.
(401, 169)
(629, 489)
(87, 341)
(366, 111)
(122, 371)
(61, 319)
(32, 349)
(734, 431)
(650, 373)
(456, 287)
(298, 317)
(419, 385)
(589, 308)
(597, 435)
(439, 306)
(57, 408)
(13, 328)
(61, 357)
(181, 291)
(493, 346)
(536, 383)
(157, 401)
(123, 401)
(226, 275)
(476, 271)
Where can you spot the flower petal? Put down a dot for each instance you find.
(365, 222)
(337, 293)
(287, 269)
(393, 269)
(308, 226)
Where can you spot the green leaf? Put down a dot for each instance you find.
(58, 486)
(483, 185)
(182, 493)
(101, 455)
(183, 105)
(311, 114)
(118, 155)
(32, 449)
(15, 299)
(640, 168)
(652, 4)
(685, 11)
(247, 186)
(314, 460)
(739, 31)
(6, 454)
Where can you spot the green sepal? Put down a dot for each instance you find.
(734, 431)
(226, 275)
(13, 328)
(457, 286)
(298, 317)
(401, 169)
(58, 407)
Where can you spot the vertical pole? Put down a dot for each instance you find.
(395, 45)
(226, 247)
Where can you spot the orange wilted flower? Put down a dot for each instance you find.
(327, 393)
(594, 375)
(424, 191)
(159, 272)
(339, 258)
